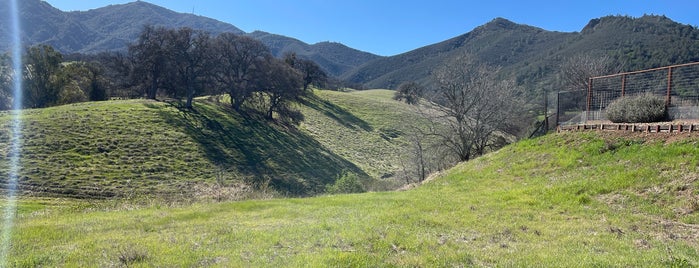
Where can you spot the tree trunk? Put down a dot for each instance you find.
(153, 90)
(191, 92)
(190, 97)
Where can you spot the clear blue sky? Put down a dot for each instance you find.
(387, 27)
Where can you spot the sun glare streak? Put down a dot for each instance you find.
(10, 208)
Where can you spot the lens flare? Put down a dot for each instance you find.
(15, 138)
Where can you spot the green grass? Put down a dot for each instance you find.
(137, 148)
(565, 200)
(368, 127)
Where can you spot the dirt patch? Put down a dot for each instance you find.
(672, 230)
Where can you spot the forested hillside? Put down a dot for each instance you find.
(113, 27)
(534, 56)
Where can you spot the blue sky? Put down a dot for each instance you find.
(388, 28)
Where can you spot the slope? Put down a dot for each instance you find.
(564, 200)
(118, 25)
(533, 56)
(498, 43)
(137, 147)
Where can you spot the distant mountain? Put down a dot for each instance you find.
(533, 55)
(121, 24)
(112, 27)
(337, 59)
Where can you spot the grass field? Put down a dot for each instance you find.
(565, 200)
(137, 148)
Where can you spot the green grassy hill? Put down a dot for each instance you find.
(134, 148)
(565, 200)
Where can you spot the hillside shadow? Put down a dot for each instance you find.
(335, 112)
(261, 151)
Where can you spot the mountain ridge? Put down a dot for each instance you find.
(533, 56)
(113, 27)
(529, 54)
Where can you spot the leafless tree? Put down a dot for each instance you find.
(282, 84)
(149, 58)
(411, 92)
(240, 61)
(578, 69)
(477, 107)
(423, 152)
(190, 57)
(575, 77)
(311, 73)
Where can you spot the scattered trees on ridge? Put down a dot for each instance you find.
(175, 63)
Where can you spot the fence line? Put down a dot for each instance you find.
(678, 84)
(650, 128)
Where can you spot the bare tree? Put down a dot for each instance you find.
(578, 69)
(311, 73)
(411, 92)
(575, 76)
(238, 64)
(149, 58)
(190, 57)
(282, 84)
(476, 105)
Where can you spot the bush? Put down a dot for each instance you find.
(347, 183)
(411, 92)
(645, 108)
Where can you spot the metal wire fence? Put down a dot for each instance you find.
(678, 84)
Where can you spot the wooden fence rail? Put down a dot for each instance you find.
(649, 128)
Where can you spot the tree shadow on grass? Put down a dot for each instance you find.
(335, 112)
(263, 152)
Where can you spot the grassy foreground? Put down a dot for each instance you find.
(571, 200)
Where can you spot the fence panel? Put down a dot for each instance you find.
(677, 84)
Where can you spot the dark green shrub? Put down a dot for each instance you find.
(346, 184)
(645, 108)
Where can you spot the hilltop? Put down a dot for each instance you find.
(530, 54)
(568, 200)
(132, 148)
(534, 56)
(113, 27)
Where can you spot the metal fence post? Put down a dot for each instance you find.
(589, 98)
(668, 99)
